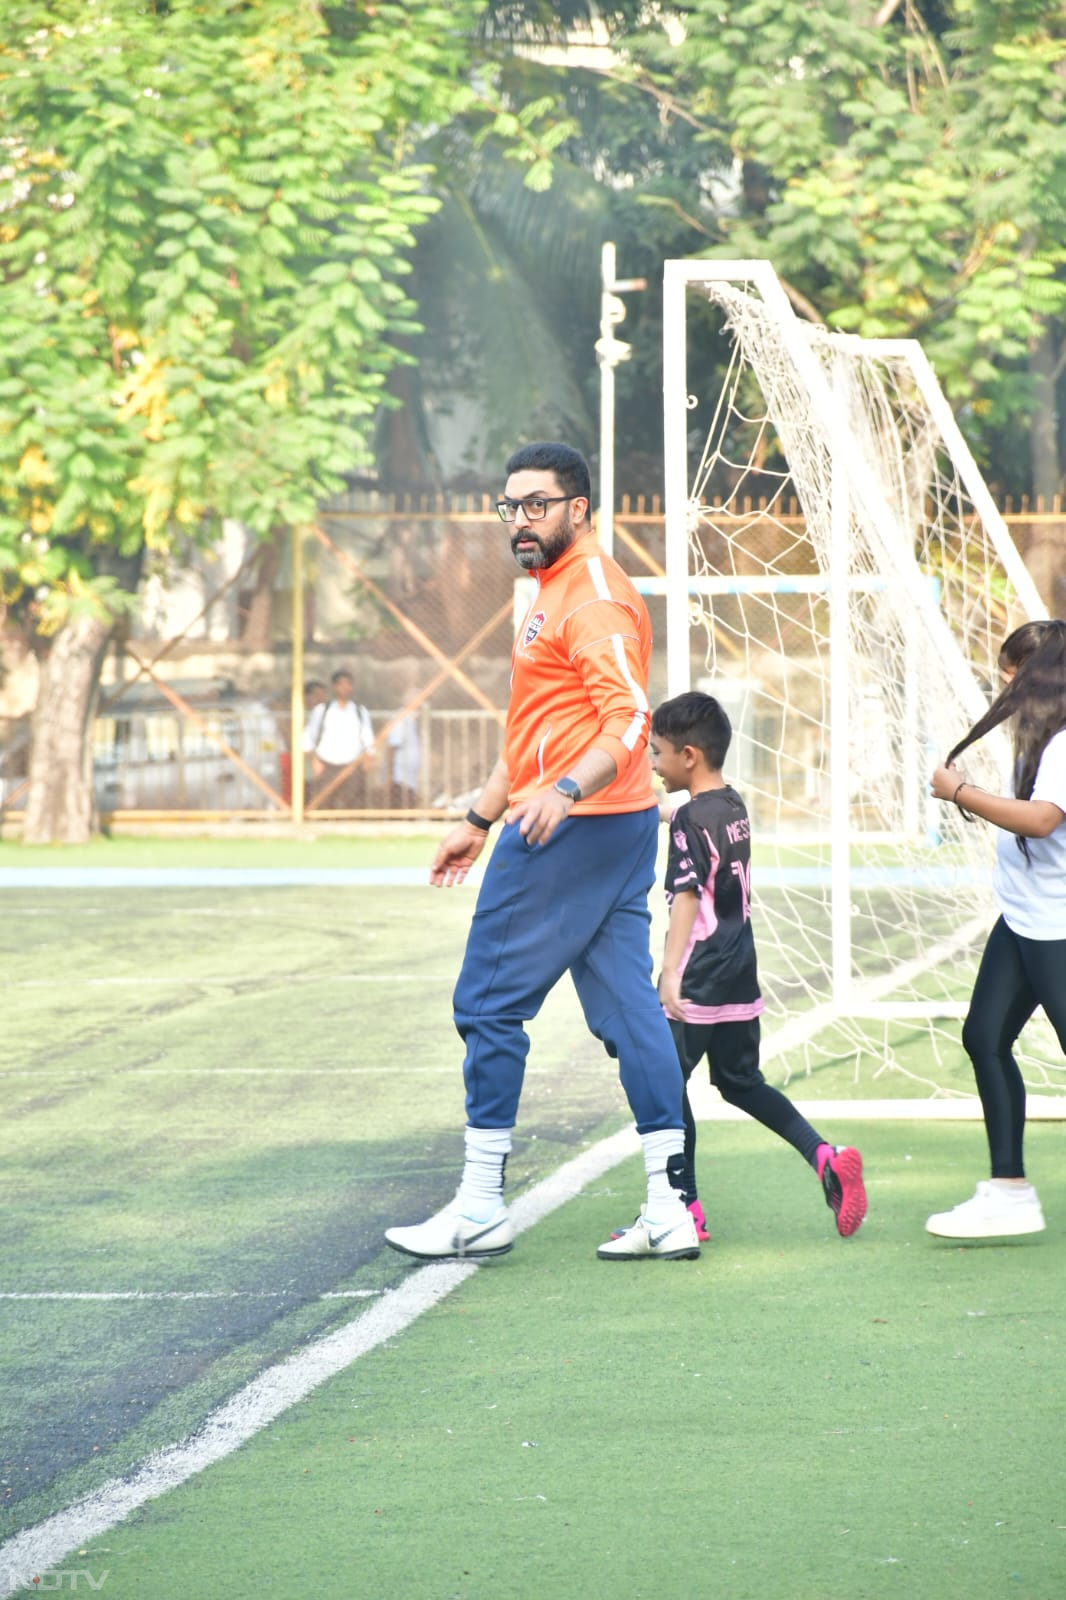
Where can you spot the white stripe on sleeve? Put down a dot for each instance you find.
(599, 577)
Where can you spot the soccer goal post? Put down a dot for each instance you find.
(837, 574)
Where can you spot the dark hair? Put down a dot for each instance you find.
(1035, 703)
(568, 465)
(313, 683)
(1019, 645)
(696, 719)
(342, 672)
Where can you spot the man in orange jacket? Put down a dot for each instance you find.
(567, 885)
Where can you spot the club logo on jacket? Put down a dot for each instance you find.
(533, 627)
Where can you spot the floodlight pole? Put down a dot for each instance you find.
(676, 479)
(609, 352)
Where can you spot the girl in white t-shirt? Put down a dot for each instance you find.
(1024, 961)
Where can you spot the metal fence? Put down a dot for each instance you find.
(415, 596)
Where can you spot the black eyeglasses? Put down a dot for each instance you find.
(535, 506)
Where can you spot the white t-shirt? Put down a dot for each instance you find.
(338, 733)
(1032, 894)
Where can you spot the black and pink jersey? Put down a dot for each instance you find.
(710, 855)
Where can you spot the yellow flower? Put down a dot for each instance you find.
(34, 469)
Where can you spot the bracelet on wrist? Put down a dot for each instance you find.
(967, 816)
(477, 821)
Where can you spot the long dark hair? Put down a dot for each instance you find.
(1019, 645)
(1034, 701)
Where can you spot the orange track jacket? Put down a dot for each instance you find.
(579, 679)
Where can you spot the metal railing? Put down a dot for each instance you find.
(153, 760)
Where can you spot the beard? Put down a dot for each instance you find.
(546, 550)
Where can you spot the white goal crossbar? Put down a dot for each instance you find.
(678, 277)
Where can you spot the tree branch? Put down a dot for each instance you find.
(805, 307)
(668, 203)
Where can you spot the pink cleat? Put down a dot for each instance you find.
(840, 1169)
(700, 1220)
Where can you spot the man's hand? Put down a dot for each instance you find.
(541, 814)
(670, 995)
(456, 854)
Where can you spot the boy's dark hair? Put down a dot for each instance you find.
(342, 672)
(697, 719)
(568, 465)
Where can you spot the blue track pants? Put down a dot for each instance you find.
(578, 904)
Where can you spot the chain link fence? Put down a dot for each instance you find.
(415, 597)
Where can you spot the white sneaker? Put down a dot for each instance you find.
(449, 1233)
(992, 1213)
(675, 1241)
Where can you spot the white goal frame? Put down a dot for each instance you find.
(852, 485)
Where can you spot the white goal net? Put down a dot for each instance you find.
(838, 576)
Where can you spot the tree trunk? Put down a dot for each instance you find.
(403, 449)
(257, 632)
(60, 805)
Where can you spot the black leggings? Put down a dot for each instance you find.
(732, 1052)
(1015, 976)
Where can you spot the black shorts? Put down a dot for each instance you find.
(731, 1049)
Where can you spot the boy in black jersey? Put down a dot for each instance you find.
(709, 985)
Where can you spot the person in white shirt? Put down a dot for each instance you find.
(337, 734)
(1024, 960)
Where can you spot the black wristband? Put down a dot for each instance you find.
(476, 821)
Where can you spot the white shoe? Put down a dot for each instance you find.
(674, 1241)
(992, 1213)
(449, 1233)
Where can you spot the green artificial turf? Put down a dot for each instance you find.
(793, 1417)
(368, 844)
(224, 848)
(232, 1092)
(228, 1094)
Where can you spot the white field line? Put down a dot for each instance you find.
(407, 1071)
(241, 912)
(281, 914)
(180, 1294)
(169, 980)
(708, 1106)
(42, 1548)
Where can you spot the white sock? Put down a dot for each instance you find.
(664, 1201)
(480, 1191)
(1013, 1191)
